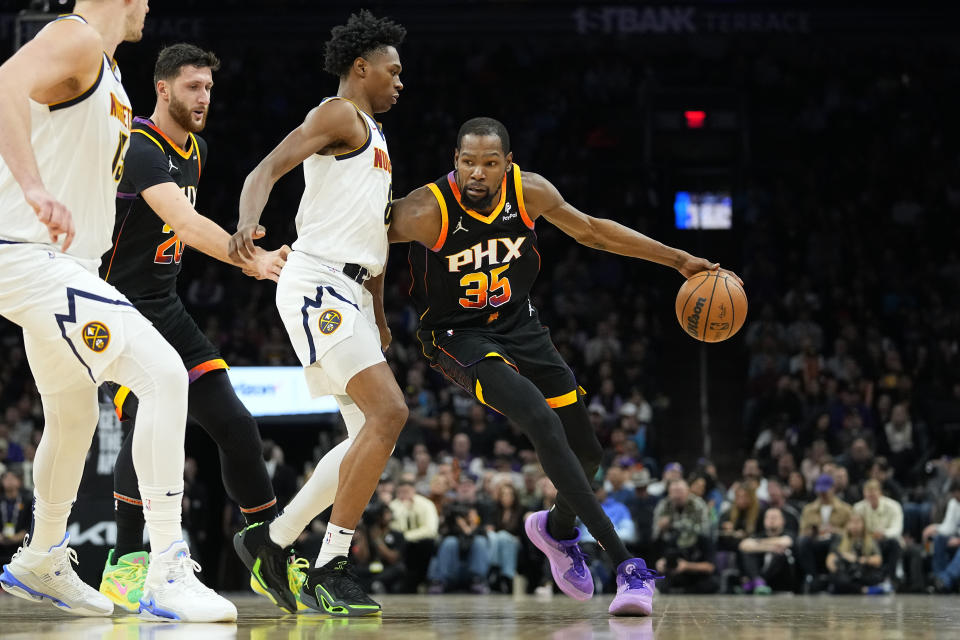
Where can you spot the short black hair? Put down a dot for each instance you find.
(173, 58)
(362, 34)
(485, 127)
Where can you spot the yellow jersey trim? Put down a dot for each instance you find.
(518, 187)
(155, 141)
(470, 212)
(563, 401)
(444, 217)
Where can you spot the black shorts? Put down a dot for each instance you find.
(176, 326)
(522, 342)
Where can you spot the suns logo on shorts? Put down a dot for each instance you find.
(96, 336)
(330, 321)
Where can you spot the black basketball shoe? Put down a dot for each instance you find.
(268, 563)
(333, 589)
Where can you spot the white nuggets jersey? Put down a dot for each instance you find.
(79, 145)
(343, 214)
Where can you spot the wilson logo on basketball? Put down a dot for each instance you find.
(330, 321)
(693, 320)
(96, 336)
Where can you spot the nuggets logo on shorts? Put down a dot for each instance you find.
(330, 321)
(96, 336)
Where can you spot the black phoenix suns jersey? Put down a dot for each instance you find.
(145, 259)
(482, 267)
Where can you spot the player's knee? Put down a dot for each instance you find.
(590, 457)
(171, 381)
(538, 415)
(240, 436)
(390, 416)
(547, 436)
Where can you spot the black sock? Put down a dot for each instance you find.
(129, 529)
(559, 530)
(263, 515)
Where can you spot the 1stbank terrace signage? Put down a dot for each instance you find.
(673, 20)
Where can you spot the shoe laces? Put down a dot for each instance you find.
(575, 553)
(348, 584)
(182, 568)
(62, 565)
(131, 571)
(296, 573)
(637, 578)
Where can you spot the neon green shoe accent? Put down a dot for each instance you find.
(295, 576)
(122, 581)
(326, 601)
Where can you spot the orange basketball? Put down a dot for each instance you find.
(711, 306)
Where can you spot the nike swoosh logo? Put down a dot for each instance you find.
(175, 494)
(122, 589)
(344, 532)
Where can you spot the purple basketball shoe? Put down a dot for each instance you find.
(567, 562)
(634, 589)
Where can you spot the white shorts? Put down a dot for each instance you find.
(330, 321)
(74, 324)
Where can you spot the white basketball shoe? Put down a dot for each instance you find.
(173, 592)
(39, 575)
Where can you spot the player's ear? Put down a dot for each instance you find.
(509, 160)
(163, 91)
(456, 157)
(360, 66)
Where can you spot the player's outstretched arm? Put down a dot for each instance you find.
(205, 235)
(416, 218)
(60, 63)
(543, 199)
(332, 124)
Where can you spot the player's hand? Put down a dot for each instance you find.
(53, 214)
(241, 246)
(267, 265)
(691, 265)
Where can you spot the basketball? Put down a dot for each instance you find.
(711, 306)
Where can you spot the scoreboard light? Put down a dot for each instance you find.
(695, 119)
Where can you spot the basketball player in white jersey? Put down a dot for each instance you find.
(330, 296)
(65, 122)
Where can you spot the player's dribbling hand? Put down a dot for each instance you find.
(241, 245)
(53, 214)
(692, 265)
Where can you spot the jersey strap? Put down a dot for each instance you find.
(518, 189)
(444, 217)
(56, 106)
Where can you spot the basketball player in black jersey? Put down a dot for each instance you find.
(155, 221)
(471, 282)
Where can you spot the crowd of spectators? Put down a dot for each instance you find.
(851, 418)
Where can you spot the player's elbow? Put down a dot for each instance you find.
(589, 234)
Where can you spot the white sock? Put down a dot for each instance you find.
(313, 498)
(161, 512)
(49, 524)
(336, 542)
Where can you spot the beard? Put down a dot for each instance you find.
(183, 116)
(480, 203)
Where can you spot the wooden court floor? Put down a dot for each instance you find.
(538, 618)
